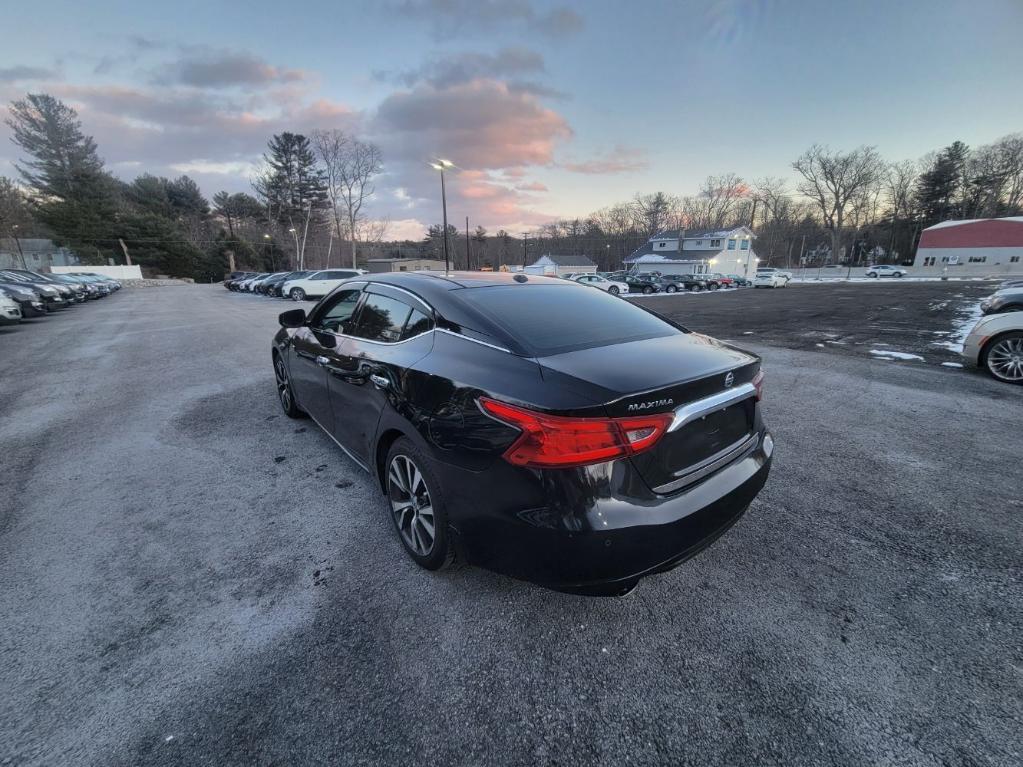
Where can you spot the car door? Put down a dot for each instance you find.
(391, 333)
(315, 352)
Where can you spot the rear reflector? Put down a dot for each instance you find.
(550, 441)
(758, 384)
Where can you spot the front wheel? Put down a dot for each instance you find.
(284, 391)
(613, 290)
(897, 274)
(713, 286)
(670, 289)
(297, 294)
(648, 290)
(1003, 358)
(696, 288)
(417, 506)
(872, 274)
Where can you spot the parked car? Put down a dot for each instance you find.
(260, 285)
(1008, 300)
(67, 294)
(1011, 284)
(675, 282)
(236, 278)
(882, 270)
(596, 281)
(619, 276)
(770, 278)
(739, 281)
(273, 287)
(580, 455)
(995, 344)
(101, 279)
(715, 281)
(10, 312)
(318, 284)
(246, 285)
(644, 283)
(25, 296)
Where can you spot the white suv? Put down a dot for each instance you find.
(318, 284)
(596, 281)
(886, 271)
(771, 278)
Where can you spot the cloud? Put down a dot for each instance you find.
(449, 17)
(534, 186)
(619, 160)
(481, 124)
(22, 74)
(202, 67)
(444, 71)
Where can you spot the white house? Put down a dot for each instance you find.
(729, 251)
(557, 266)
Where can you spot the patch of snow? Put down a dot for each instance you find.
(962, 324)
(747, 332)
(951, 364)
(893, 355)
(820, 345)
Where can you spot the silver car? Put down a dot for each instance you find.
(996, 345)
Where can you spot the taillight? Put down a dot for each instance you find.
(552, 442)
(758, 384)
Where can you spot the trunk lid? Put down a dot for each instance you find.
(663, 375)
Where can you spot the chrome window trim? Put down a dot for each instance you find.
(689, 412)
(474, 340)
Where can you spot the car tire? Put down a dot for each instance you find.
(296, 294)
(696, 288)
(285, 394)
(897, 274)
(647, 290)
(872, 274)
(670, 289)
(996, 355)
(713, 286)
(613, 290)
(406, 466)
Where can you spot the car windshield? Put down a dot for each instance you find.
(547, 319)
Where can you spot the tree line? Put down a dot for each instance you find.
(310, 193)
(308, 206)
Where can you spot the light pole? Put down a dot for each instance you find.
(298, 256)
(270, 242)
(440, 165)
(14, 231)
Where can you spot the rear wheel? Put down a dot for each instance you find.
(713, 286)
(696, 288)
(297, 294)
(872, 274)
(613, 290)
(648, 290)
(1003, 358)
(417, 506)
(897, 274)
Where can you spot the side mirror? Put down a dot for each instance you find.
(293, 318)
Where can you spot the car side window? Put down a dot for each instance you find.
(318, 276)
(336, 314)
(382, 318)
(417, 324)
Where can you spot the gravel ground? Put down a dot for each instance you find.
(188, 577)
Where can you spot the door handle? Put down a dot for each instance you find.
(323, 361)
(379, 381)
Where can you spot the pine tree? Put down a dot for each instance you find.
(941, 190)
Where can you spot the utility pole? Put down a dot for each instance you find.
(802, 265)
(468, 260)
(14, 231)
(525, 237)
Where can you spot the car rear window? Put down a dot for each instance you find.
(551, 319)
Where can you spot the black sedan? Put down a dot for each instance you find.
(672, 283)
(529, 425)
(644, 283)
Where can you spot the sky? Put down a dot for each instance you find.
(548, 109)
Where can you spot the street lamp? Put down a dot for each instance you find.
(440, 165)
(270, 242)
(14, 231)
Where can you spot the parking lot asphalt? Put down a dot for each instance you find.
(189, 577)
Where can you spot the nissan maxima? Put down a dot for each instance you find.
(529, 425)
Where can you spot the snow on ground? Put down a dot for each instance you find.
(962, 324)
(951, 364)
(888, 354)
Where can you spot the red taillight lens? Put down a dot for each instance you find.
(758, 384)
(550, 441)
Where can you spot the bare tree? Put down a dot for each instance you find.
(835, 181)
(349, 167)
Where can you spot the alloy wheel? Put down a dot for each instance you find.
(283, 384)
(1005, 359)
(411, 505)
(297, 294)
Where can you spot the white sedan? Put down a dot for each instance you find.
(317, 284)
(771, 278)
(596, 281)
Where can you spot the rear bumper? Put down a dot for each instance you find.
(601, 530)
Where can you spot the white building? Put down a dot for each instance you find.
(973, 247)
(558, 266)
(728, 251)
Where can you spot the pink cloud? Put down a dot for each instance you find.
(534, 186)
(619, 160)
